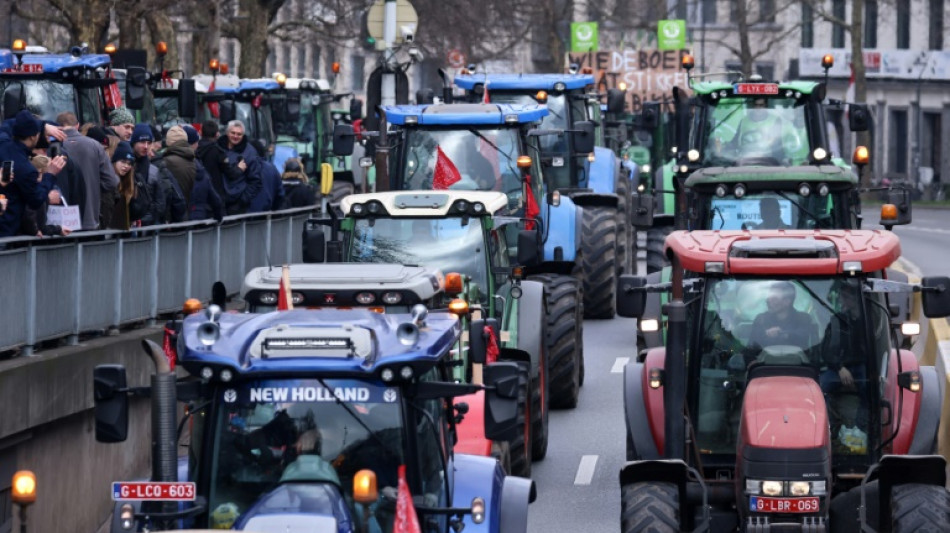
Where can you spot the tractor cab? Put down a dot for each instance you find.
(302, 120)
(47, 84)
(241, 99)
(325, 418)
(795, 390)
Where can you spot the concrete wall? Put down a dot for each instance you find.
(48, 427)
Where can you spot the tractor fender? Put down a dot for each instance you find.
(471, 430)
(894, 470)
(478, 477)
(928, 419)
(654, 310)
(596, 199)
(635, 412)
(531, 320)
(906, 426)
(516, 494)
(603, 171)
(562, 229)
(663, 181)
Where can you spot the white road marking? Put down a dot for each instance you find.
(585, 470)
(619, 364)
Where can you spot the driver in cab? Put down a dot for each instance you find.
(764, 133)
(781, 323)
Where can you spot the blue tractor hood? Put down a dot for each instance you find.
(464, 114)
(535, 82)
(54, 63)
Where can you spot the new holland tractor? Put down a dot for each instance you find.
(781, 400)
(491, 147)
(329, 420)
(577, 164)
(463, 233)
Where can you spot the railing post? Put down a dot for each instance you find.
(153, 311)
(117, 316)
(190, 264)
(73, 339)
(27, 350)
(217, 253)
(267, 239)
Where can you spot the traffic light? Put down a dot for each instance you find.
(369, 43)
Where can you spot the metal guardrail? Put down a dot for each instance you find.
(64, 286)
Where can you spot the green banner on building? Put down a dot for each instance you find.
(583, 37)
(671, 34)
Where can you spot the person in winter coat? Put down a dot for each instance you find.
(272, 193)
(176, 169)
(130, 203)
(297, 189)
(245, 186)
(93, 162)
(215, 158)
(146, 176)
(34, 221)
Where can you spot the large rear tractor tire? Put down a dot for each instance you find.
(539, 412)
(520, 447)
(563, 340)
(656, 238)
(626, 236)
(599, 254)
(649, 508)
(920, 508)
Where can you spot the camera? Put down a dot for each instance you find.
(6, 174)
(407, 33)
(55, 149)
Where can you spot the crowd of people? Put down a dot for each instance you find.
(127, 175)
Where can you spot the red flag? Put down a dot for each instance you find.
(445, 173)
(112, 95)
(213, 106)
(284, 300)
(531, 210)
(406, 519)
(491, 350)
(171, 351)
(485, 99)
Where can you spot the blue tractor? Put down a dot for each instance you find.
(48, 84)
(317, 417)
(577, 164)
(493, 147)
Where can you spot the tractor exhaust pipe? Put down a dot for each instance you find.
(674, 386)
(164, 419)
(446, 87)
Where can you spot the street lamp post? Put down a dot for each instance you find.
(918, 123)
(23, 493)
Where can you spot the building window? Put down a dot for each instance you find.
(709, 11)
(897, 151)
(837, 30)
(870, 24)
(935, 41)
(930, 143)
(302, 60)
(766, 11)
(679, 8)
(357, 66)
(808, 26)
(903, 25)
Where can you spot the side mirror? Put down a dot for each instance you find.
(356, 109)
(528, 247)
(897, 211)
(859, 117)
(314, 245)
(936, 296)
(641, 215)
(615, 100)
(583, 137)
(506, 380)
(630, 301)
(111, 403)
(227, 111)
(650, 115)
(187, 98)
(343, 140)
(135, 88)
(478, 341)
(219, 294)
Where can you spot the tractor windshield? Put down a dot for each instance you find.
(47, 99)
(485, 159)
(166, 111)
(274, 434)
(774, 210)
(826, 324)
(449, 244)
(753, 131)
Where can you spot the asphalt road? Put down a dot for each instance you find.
(578, 487)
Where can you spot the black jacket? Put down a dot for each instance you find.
(297, 193)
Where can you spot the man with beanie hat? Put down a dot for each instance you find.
(147, 179)
(176, 168)
(122, 123)
(192, 134)
(94, 165)
(26, 188)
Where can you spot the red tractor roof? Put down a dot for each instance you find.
(802, 252)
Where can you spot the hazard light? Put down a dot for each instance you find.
(110, 48)
(541, 97)
(524, 161)
(23, 491)
(364, 487)
(888, 213)
(453, 283)
(458, 307)
(161, 48)
(827, 61)
(281, 79)
(688, 62)
(224, 68)
(19, 45)
(213, 64)
(336, 67)
(860, 155)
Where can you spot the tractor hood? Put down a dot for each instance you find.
(786, 412)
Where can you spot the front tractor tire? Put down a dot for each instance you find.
(649, 508)
(598, 261)
(519, 449)
(656, 240)
(626, 234)
(563, 339)
(921, 508)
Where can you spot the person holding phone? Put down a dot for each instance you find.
(26, 187)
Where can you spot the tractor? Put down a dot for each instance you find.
(325, 419)
(781, 400)
(577, 164)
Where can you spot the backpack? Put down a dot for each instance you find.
(176, 209)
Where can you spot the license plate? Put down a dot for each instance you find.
(153, 491)
(756, 88)
(758, 504)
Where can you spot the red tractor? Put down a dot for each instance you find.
(781, 401)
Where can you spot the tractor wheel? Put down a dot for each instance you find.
(539, 411)
(626, 236)
(656, 237)
(599, 245)
(501, 450)
(921, 508)
(563, 340)
(520, 447)
(843, 513)
(580, 336)
(339, 190)
(649, 508)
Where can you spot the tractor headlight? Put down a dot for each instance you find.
(772, 488)
(799, 488)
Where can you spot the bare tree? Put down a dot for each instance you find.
(756, 30)
(251, 26)
(86, 21)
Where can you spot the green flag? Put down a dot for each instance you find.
(583, 37)
(671, 34)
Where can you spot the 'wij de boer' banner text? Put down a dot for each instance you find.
(650, 75)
